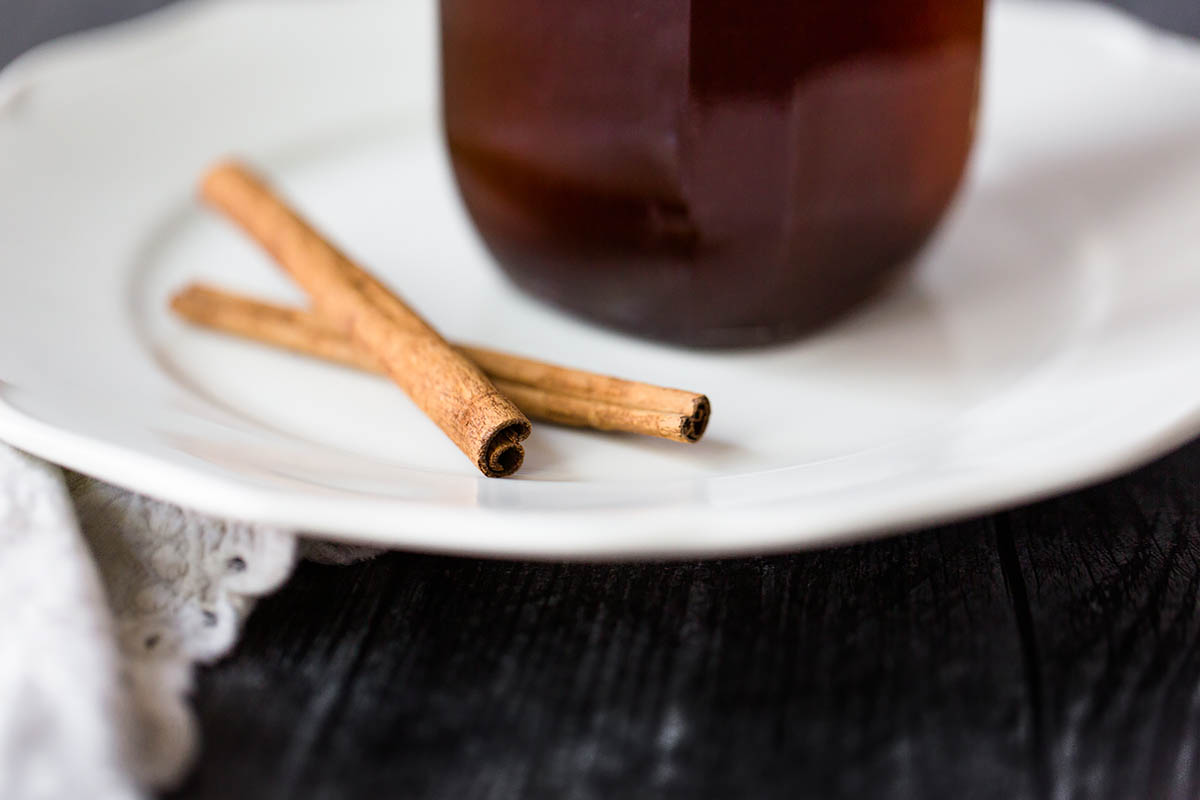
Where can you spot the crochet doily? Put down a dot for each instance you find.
(110, 600)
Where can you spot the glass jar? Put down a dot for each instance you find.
(709, 172)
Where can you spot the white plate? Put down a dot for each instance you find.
(1049, 337)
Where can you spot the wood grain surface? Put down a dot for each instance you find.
(1048, 652)
(832, 674)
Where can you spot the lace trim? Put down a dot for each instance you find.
(108, 622)
(180, 585)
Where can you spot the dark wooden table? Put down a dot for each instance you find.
(1047, 652)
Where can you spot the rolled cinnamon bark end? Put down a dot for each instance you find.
(444, 384)
(693, 426)
(503, 454)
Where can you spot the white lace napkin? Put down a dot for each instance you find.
(109, 600)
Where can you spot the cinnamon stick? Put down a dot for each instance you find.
(543, 391)
(443, 383)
